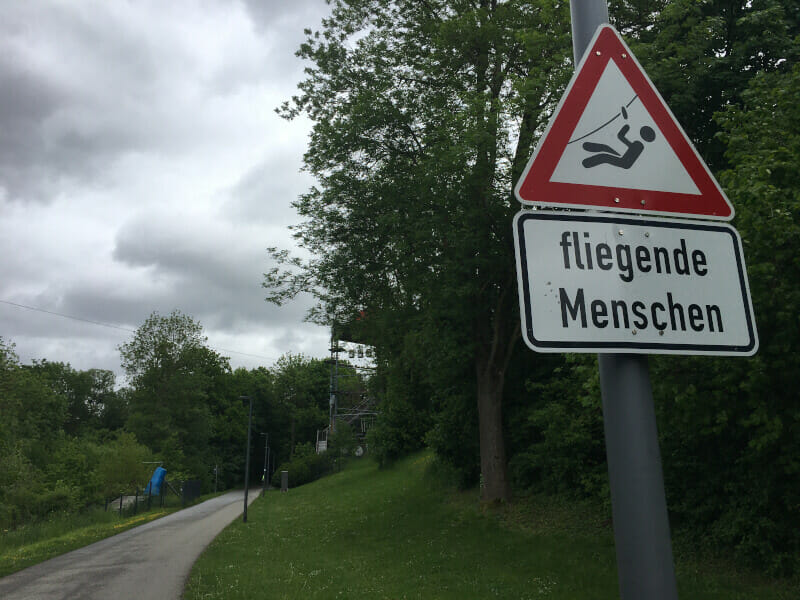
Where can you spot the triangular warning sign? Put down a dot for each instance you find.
(614, 144)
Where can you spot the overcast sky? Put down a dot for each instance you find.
(143, 168)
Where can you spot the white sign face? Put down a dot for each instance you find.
(590, 283)
(595, 150)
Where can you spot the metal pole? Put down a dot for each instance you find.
(264, 474)
(639, 507)
(332, 393)
(336, 391)
(641, 525)
(247, 458)
(587, 16)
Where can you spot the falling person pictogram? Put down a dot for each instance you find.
(606, 155)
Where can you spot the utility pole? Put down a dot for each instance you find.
(247, 457)
(334, 386)
(264, 474)
(641, 524)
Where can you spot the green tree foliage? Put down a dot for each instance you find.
(90, 394)
(728, 426)
(122, 465)
(702, 55)
(304, 466)
(424, 114)
(45, 466)
(68, 438)
(302, 386)
(172, 375)
(343, 441)
(227, 445)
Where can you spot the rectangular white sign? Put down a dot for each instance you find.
(592, 283)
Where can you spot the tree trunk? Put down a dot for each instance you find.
(494, 476)
(496, 338)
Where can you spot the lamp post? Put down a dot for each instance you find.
(247, 458)
(264, 475)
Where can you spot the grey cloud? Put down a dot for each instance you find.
(213, 272)
(283, 15)
(96, 98)
(43, 112)
(265, 193)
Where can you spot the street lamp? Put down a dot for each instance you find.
(247, 458)
(264, 475)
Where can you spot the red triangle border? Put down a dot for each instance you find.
(534, 186)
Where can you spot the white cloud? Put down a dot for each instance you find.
(142, 167)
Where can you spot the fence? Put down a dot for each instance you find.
(132, 502)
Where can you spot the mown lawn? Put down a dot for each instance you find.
(392, 534)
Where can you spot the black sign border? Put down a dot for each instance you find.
(621, 347)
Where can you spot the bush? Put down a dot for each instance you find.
(303, 468)
(121, 465)
(343, 441)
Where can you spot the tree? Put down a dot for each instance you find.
(702, 55)
(122, 465)
(89, 393)
(172, 372)
(424, 115)
(302, 386)
(731, 427)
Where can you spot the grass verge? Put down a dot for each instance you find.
(33, 543)
(367, 533)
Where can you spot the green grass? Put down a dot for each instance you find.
(36, 542)
(392, 534)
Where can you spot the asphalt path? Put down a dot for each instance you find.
(148, 562)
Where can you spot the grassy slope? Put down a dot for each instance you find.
(365, 533)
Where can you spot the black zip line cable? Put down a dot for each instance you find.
(101, 324)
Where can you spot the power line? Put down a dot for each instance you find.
(57, 314)
(110, 326)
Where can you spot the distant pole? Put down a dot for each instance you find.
(247, 458)
(216, 477)
(645, 568)
(264, 474)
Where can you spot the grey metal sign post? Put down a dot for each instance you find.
(641, 526)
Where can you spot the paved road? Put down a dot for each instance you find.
(148, 562)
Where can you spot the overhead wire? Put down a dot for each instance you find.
(110, 326)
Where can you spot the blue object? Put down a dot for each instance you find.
(154, 487)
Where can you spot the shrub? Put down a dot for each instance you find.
(303, 468)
